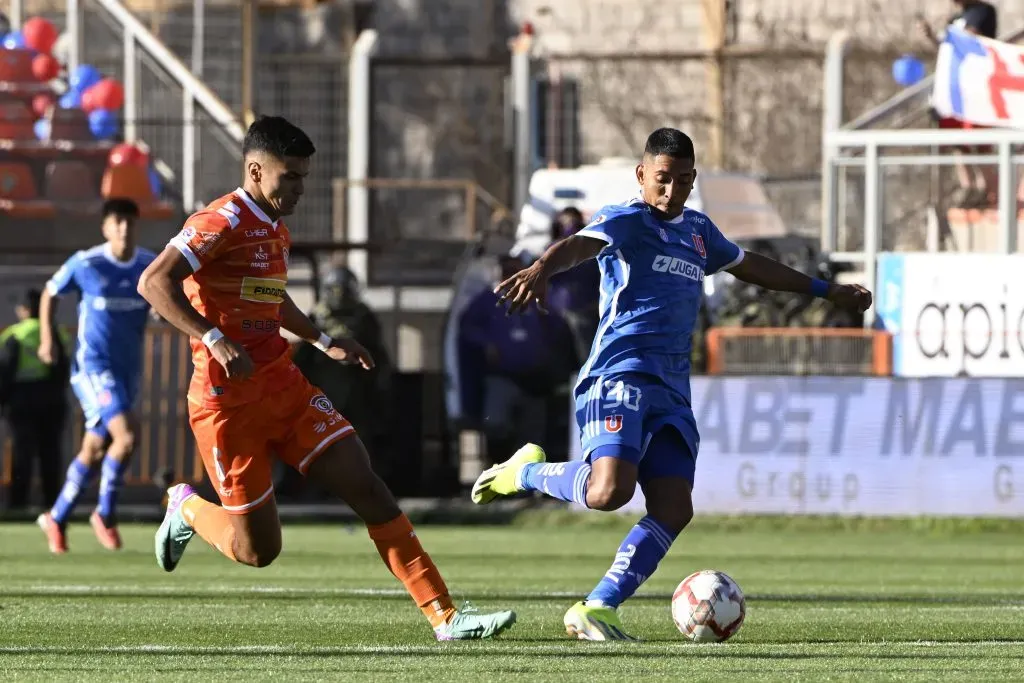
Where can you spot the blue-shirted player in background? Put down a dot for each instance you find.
(112, 318)
(633, 394)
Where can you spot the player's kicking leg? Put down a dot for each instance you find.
(344, 468)
(607, 481)
(246, 529)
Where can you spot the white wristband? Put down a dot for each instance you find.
(324, 342)
(212, 337)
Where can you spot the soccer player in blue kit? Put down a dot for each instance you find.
(633, 394)
(105, 373)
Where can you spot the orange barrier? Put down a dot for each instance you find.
(798, 351)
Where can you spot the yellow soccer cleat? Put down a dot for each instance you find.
(503, 478)
(585, 622)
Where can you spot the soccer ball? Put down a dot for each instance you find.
(708, 607)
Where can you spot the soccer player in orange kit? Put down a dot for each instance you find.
(222, 281)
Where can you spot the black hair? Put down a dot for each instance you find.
(278, 137)
(31, 302)
(670, 142)
(122, 207)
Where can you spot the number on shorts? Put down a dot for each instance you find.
(621, 394)
(220, 464)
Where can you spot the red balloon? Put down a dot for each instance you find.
(45, 67)
(107, 94)
(89, 100)
(41, 103)
(39, 34)
(127, 154)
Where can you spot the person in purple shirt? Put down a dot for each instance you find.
(511, 365)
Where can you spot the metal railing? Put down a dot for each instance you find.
(875, 151)
(798, 351)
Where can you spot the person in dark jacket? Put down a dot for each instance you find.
(33, 401)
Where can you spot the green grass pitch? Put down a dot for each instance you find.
(822, 604)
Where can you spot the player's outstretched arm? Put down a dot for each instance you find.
(342, 350)
(530, 284)
(765, 272)
(47, 313)
(160, 285)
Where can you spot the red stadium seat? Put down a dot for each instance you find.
(16, 66)
(132, 182)
(16, 121)
(70, 124)
(18, 194)
(71, 186)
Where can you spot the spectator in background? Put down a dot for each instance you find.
(575, 294)
(360, 395)
(977, 183)
(33, 400)
(513, 367)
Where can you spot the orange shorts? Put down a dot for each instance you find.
(238, 443)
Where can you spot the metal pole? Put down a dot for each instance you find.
(198, 31)
(248, 51)
(17, 14)
(521, 118)
(1007, 200)
(832, 119)
(73, 20)
(188, 148)
(131, 87)
(872, 220)
(359, 132)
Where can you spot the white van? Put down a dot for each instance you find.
(736, 202)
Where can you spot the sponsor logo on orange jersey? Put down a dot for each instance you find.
(262, 290)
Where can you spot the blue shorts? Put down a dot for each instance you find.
(103, 396)
(633, 416)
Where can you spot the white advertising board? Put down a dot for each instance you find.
(953, 314)
(858, 446)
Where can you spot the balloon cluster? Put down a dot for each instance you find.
(100, 98)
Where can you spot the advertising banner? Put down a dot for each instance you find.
(953, 315)
(858, 446)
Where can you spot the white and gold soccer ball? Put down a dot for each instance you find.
(708, 607)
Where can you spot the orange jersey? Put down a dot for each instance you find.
(239, 259)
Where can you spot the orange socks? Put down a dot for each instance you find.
(408, 561)
(212, 523)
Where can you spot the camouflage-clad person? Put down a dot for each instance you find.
(360, 395)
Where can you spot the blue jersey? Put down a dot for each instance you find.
(112, 314)
(652, 275)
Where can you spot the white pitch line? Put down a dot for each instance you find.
(218, 590)
(508, 647)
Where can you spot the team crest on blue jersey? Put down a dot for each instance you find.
(698, 242)
(613, 423)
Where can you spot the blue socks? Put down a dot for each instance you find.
(636, 559)
(110, 485)
(562, 480)
(78, 479)
(638, 555)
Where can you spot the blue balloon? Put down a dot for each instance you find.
(42, 129)
(908, 70)
(156, 183)
(14, 40)
(72, 99)
(103, 124)
(84, 77)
